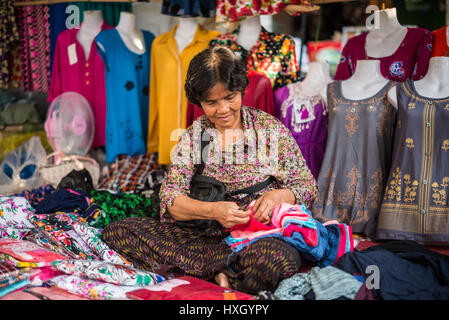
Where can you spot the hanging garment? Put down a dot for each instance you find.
(58, 18)
(440, 47)
(318, 244)
(9, 34)
(168, 101)
(306, 117)
(258, 94)
(189, 8)
(72, 71)
(357, 159)
(273, 55)
(236, 10)
(127, 88)
(409, 61)
(405, 271)
(415, 204)
(34, 29)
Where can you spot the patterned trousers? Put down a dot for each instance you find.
(150, 244)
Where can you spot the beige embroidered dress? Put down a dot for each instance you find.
(356, 161)
(415, 205)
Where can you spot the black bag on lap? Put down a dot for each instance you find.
(205, 188)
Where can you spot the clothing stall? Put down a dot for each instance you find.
(94, 110)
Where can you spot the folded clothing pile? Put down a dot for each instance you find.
(24, 263)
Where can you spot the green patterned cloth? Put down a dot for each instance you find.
(120, 206)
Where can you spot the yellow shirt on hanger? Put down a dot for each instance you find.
(168, 101)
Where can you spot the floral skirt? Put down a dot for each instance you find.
(150, 244)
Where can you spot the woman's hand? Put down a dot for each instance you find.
(265, 204)
(229, 213)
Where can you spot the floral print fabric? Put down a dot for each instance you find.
(237, 169)
(72, 234)
(92, 289)
(13, 217)
(236, 10)
(58, 229)
(108, 272)
(26, 251)
(273, 55)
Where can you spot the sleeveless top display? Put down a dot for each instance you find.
(415, 204)
(356, 161)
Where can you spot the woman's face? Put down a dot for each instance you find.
(222, 107)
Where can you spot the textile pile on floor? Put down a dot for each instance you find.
(51, 247)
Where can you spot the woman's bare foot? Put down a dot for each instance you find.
(222, 280)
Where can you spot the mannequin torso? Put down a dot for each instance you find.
(131, 36)
(249, 32)
(365, 82)
(385, 40)
(317, 79)
(434, 85)
(185, 32)
(90, 28)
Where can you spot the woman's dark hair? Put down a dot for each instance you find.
(212, 65)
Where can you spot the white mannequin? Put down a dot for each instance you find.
(317, 78)
(90, 28)
(385, 40)
(434, 85)
(366, 81)
(185, 32)
(249, 32)
(130, 34)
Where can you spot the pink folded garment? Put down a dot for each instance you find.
(28, 251)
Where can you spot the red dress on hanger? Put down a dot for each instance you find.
(258, 94)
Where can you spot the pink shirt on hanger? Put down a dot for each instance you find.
(73, 72)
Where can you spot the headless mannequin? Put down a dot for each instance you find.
(434, 85)
(385, 40)
(366, 81)
(90, 28)
(131, 36)
(317, 78)
(185, 32)
(249, 32)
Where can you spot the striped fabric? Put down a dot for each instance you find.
(128, 174)
(34, 29)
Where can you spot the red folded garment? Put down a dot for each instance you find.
(187, 288)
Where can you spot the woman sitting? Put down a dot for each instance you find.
(246, 147)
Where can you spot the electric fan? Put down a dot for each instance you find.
(70, 124)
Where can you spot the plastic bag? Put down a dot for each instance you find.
(19, 169)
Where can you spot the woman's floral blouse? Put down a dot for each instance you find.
(273, 55)
(268, 148)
